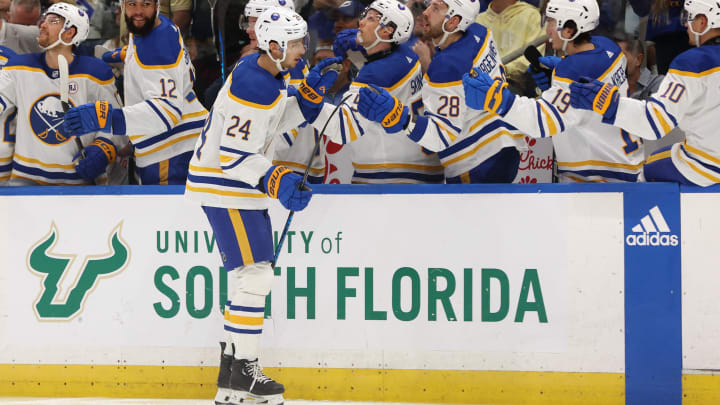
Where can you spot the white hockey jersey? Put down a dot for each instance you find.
(163, 116)
(687, 98)
(300, 142)
(378, 157)
(43, 154)
(7, 127)
(237, 144)
(585, 148)
(463, 137)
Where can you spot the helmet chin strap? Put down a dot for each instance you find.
(566, 41)
(278, 62)
(377, 38)
(698, 34)
(58, 42)
(446, 34)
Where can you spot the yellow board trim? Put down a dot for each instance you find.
(241, 236)
(469, 387)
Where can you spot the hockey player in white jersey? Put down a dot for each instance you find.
(687, 98)
(231, 176)
(391, 65)
(586, 149)
(44, 154)
(7, 127)
(473, 146)
(162, 116)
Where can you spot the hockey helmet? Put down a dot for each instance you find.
(74, 17)
(467, 10)
(255, 7)
(393, 14)
(709, 8)
(584, 13)
(280, 25)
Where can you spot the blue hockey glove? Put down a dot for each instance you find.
(115, 56)
(314, 87)
(542, 77)
(281, 183)
(484, 93)
(98, 116)
(98, 155)
(346, 40)
(380, 106)
(594, 95)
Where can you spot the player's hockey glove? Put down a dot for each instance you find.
(281, 183)
(484, 93)
(99, 116)
(98, 155)
(376, 104)
(346, 40)
(542, 80)
(314, 87)
(591, 94)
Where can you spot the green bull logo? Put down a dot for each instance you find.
(52, 303)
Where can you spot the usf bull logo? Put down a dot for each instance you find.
(63, 299)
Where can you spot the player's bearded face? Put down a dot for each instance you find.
(140, 16)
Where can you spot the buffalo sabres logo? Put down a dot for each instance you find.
(46, 118)
(67, 282)
(73, 87)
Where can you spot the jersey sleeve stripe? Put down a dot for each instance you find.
(552, 128)
(159, 114)
(481, 121)
(342, 128)
(353, 135)
(235, 151)
(223, 192)
(439, 131)
(701, 153)
(167, 144)
(700, 172)
(665, 126)
(662, 106)
(171, 105)
(445, 120)
(171, 115)
(650, 119)
(556, 114)
(658, 156)
(232, 165)
(539, 119)
(360, 128)
(287, 138)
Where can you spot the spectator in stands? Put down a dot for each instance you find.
(514, 24)
(19, 32)
(664, 29)
(347, 15)
(421, 44)
(5, 9)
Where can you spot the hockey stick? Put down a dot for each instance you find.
(302, 185)
(65, 95)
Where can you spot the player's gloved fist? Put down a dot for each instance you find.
(376, 104)
(485, 93)
(281, 183)
(592, 94)
(115, 56)
(98, 155)
(98, 116)
(314, 87)
(542, 77)
(346, 40)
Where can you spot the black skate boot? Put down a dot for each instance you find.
(223, 381)
(250, 385)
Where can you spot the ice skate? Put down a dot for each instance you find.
(223, 381)
(249, 385)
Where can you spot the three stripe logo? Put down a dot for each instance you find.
(652, 230)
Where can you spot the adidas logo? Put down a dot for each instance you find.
(652, 230)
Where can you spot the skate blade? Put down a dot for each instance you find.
(223, 396)
(244, 398)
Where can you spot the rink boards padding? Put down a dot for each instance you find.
(504, 294)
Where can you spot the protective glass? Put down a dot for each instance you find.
(686, 18)
(296, 44)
